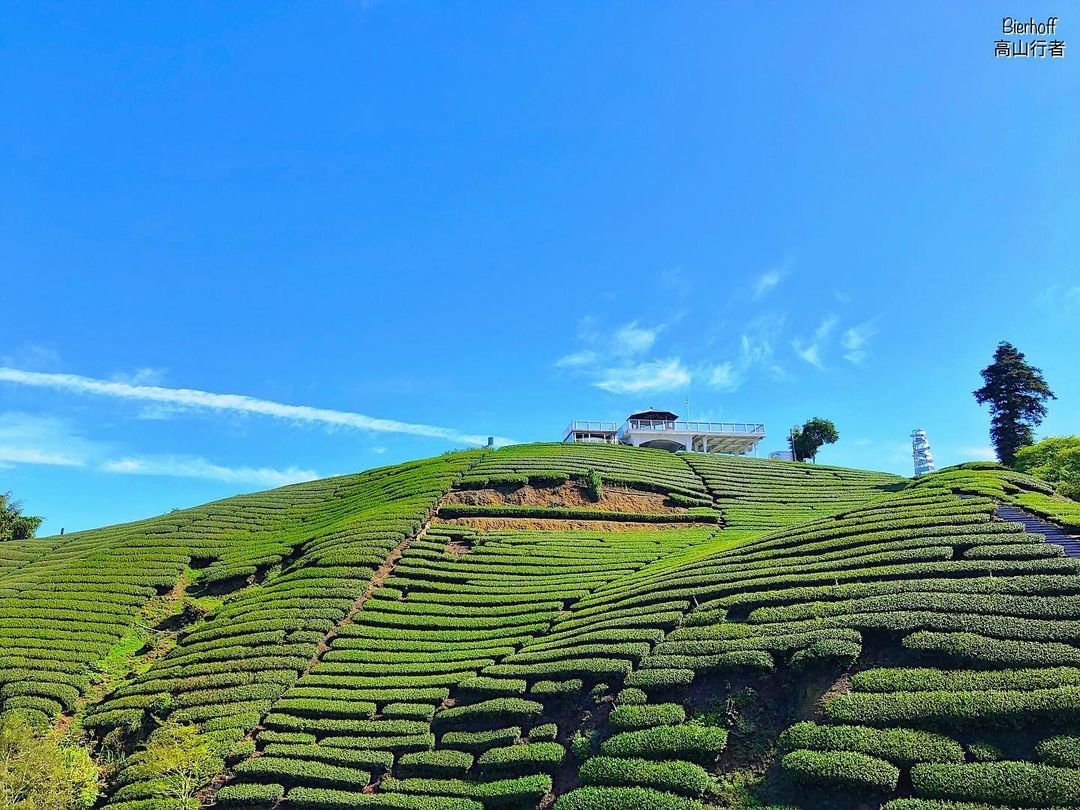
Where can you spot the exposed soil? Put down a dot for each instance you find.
(492, 524)
(570, 494)
(458, 548)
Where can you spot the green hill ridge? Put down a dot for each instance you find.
(488, 629)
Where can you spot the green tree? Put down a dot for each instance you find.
(594, 485)
(1017, 393)
(14, 525)
(181, 761)
(40, 772)
(805, 441)
(1055, 459)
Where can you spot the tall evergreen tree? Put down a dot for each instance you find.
(1016, 392)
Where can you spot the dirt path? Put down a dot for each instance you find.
(380, 576)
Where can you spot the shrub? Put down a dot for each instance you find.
(1015, 783)
(519, 792)
(984, 752)
(841, 768)
(674, 775)
(495, 709)
(624, 798)
(926, 679)
(628, 717)
(555, 688)
(902, 746)
(444, 762)
(363, 758)
(631, 696)
(493, 686)
(543, 733)
(594, 486)
(302, 772)
(660, 678)
(581, 744)
(258, 795)
(342, 800)
(522, 759)
(956, 709)
(1061, 750)
(701, 744)
(477, 741)
(37, 772)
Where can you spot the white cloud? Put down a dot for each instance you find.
(755, 351)
(31, 355)
(577, 359)
(234, 403)
(725, 377)
(632, 339)
(855, 339)
(655, 375)
(29, 455)
(141, 376)
(812, 352)
(181, 467)
(766, 281)
(28, 439)
(977, 453)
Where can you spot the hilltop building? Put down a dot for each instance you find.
(664, 430)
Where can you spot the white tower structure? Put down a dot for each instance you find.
(920, 452)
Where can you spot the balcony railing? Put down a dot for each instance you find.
(738, 428)
(590, 425)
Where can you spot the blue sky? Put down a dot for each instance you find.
(388, 228)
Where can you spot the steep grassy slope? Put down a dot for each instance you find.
(810, 636)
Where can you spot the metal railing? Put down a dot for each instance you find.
(590, 425)
(739, 428)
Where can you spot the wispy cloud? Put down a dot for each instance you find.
(234, 403)
(577, 359)
(655, 375)
(141, 376)
(30, 439)
(631, 339)
(812, 351)
(725, 377)
(755, 353)
(977, 453)
(617, 361)
(31, 355)
(183, 467)
(855, 339)
(768, 280)
(1058, 299)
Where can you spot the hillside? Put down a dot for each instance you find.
(584, 626)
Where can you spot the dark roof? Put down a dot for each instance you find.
(656, 416)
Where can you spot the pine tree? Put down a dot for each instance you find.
(1016, 392)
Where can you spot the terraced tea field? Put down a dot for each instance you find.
(577, 626)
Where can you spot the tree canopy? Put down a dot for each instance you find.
(14, 525)
(806, 440)
(1055, 459)
(39, 772)
(1016, 393)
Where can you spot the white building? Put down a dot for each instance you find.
(664, 430)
